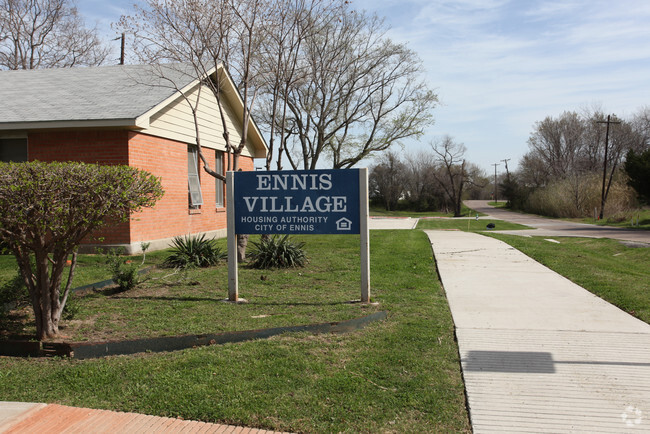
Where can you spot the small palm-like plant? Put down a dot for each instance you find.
(194, 251)
(278, 252)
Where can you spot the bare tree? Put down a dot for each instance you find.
(558, 142)
(207, 35)
(282, 65)
(421, 189)
(362, 94)
(453, 174)
(198, 34)
(388, 179)
(46, 34)
(641, 124)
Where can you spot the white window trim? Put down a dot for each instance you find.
(193, 179)
(219, 184)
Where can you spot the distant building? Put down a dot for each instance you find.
(129, 115)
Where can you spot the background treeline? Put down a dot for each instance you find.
(564, 174)
(564, 171)
(437, 179)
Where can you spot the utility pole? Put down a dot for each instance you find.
(602, 195)
(121, 48)
(507, 173)
(122, 51)
(496, 199)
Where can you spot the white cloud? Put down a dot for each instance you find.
(501, 65)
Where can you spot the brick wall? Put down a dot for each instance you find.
(88, 146)
(172, 215)
(166, 159)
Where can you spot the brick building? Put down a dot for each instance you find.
(130, 115)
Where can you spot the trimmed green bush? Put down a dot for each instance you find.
(278, 252)
(123, 272)
(194, 251)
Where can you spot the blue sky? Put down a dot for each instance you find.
(499, 66)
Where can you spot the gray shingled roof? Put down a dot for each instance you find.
(82, 94)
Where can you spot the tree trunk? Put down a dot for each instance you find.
(242, 243)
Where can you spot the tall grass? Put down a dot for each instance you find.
(578, 196)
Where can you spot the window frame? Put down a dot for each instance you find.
(220, 200)
(195, 195)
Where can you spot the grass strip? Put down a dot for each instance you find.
(635, 220)
(381, 212)
(607, 268)
(400, 375)
(468, 224)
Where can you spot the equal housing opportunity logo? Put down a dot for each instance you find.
(632, 416)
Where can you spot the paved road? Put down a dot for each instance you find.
(557, 228)
(539, 353)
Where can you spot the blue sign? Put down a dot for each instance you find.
(297, 202)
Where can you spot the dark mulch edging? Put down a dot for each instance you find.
(85, 350)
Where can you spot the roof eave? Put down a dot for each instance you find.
(138, 123)
(232, 94)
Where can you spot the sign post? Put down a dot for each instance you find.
(233, 274)
(298, 202)
(365, 236)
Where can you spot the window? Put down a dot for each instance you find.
(13, 150)
(218, 167)
(193, 179)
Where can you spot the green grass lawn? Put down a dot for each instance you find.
(468, 224)
(607, 268)
(637, 220)
(381, 212)
(398, 375)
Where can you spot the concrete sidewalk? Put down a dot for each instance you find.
(21, 418)
(392, 223)
(539, 353)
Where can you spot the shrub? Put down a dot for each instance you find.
(123, 272)
(278, 252)
(578, 196)
(194, 251)
(14, 291)
(47, 209)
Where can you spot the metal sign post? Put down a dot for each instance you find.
(233, 274)
(365, 235)
(298, 202)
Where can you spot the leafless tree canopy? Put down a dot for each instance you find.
(454, 173)
(46, 34)
(326, 81)
(575, 143)
(388, 180)
(437, 179)
(574, 154)
(360, 94)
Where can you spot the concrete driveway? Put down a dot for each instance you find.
(547, 227)
(392, 223)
